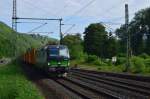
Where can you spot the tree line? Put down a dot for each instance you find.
(97, 41)
(139, 29)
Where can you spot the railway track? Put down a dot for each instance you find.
(122, 87)
(82, 84)
(93, 86)
(85, 90)
(61, 88)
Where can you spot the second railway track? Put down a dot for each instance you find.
(81, 84)
(121, 87)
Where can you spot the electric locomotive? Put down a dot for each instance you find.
(53, 59)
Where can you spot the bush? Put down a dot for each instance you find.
(147, 62)
(137, 65)
(121, 55)
(14, 85)
(144, 55)
(121, 60)
(108, 62)
(99, 63)
(111, 68)
(91, 58)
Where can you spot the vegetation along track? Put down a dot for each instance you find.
(121, 85)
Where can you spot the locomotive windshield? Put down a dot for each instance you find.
(54, 52)
(64, 52)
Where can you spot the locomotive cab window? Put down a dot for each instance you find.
(53, 52)
(64, 52)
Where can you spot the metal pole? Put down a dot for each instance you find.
(128, 37)
(14, 25)
(14, 20)
(36, 19)
(60, 23)
(61, 35)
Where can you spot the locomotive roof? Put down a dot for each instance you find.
(56, 46)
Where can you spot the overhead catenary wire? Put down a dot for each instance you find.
(84, 7)
(120, 18)
(116, 19)
(69, 29)
(34, 22)
(78, 11)
(37, 27)
(113, 7)
(42, 32)
(111, 23)
(104, 22)
(110, 9)
(62, 10)
(30, 22)
(108, 27)
(34, 6)
(81, 9)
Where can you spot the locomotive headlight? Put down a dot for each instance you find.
(59, 63)
(49, 64)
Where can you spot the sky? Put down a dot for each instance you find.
(76, 14)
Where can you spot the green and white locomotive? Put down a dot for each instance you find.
(53, 59)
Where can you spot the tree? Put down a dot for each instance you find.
(122, 41)
(147, 22)
(98, 42)
(74, 43)
(95, 39)
(111, 47)
(138, 27)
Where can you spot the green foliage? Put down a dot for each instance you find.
(138, 43)
(95, 36)
(147, 62)
(112, 68)
(12, 43)
(14, 85)
(97, 42)
(121, 55)
(137, 65)
(99, 62)
(91, 58)
(144, 55)
(111, 47)
(121, 60)
(74, 43)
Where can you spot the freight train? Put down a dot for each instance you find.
(52, 59)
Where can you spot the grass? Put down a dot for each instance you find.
(117, 69)
(110, 68)
(14, 85)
